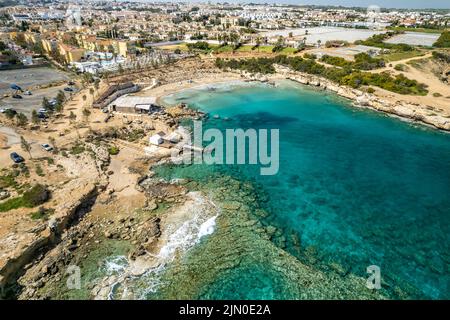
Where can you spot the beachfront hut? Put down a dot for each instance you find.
(156, 139)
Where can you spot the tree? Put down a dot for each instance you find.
(72, 118)
(34, 117)
(53, 143)
(10, 114)
(59, 107)
(60, 97)
(86, 114)
(25, 145)
(106, 75)
(87, 79)
(46, 104)
(91, 91)
(258, 42)
(96, 84)
(21, 119)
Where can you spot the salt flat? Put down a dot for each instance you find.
(415, 38)
(325, 34)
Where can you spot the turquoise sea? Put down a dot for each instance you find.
(355, 188)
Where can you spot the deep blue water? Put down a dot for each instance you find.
(359, 187)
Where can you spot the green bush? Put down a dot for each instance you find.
(443, 41)
(260, 65)
(42, 213)
(377, 40)
(77, 149)
(9, 180)
(35, 196)
(400, 67)
(200, 45)
(113, 150)
(363, 61)
(344, 76)
(39, 171)
(442, 56)
(11, 204)
(309, 56)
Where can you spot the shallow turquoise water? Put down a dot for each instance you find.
(358, 187)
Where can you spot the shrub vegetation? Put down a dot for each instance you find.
(342, 75)
(33, 197)
(443, 41)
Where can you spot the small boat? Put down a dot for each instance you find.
(216, 116)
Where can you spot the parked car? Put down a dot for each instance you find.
(17, 96)
(42, 115)
(16, 157)
(69, 89)
(42, 110)
(71, 83)
(47, 147)
(28, 93)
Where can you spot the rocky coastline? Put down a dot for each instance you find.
(423, 114)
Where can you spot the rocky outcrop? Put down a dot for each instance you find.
(4, 194)
(20, 250)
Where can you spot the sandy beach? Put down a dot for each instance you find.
(174, 87)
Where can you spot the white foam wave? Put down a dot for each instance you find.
(180, 238)
(207, 227)
(187, 236)
(116, 264)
